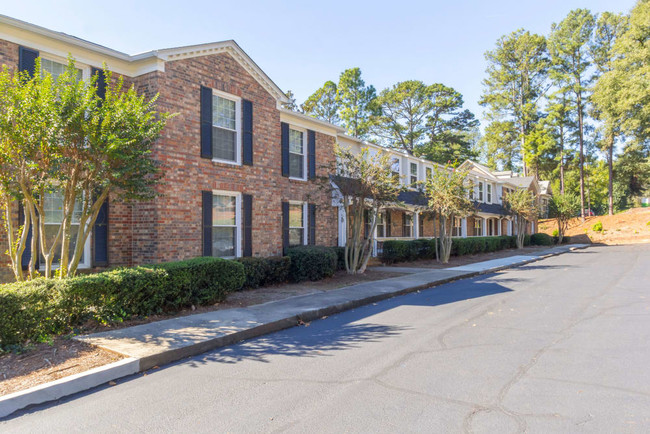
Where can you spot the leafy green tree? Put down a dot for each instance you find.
(323, 104)
(355, 101)
(447, 192)
(569, 44)
(609, 28)
(516, 80)
(402, 113)
(365, 183)
(563, 207)
(522, 205)
(501, 145)
(77, 145)
(291, 104)
(561, 123)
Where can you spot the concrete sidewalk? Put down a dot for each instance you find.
(165, 341)
(157, 343)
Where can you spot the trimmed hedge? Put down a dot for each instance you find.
(411, 250)
(541, 240)
(40, 308)
(265, 271)
(312, 262)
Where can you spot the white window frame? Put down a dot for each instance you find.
(488, 192)
(413, 173)
(428, 172)
(85, 69)
(304, 153)
(238, 222)
(87, 252)
(305, 220)
(481, 192)
(238, 126)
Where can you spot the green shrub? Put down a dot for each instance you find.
(598, 227)
(399, 251)
(540, 239)
(204, 280)
(312, 262)
(265, 271)
(340, 258)
(405, 251)
(556, 233)
(43, 307)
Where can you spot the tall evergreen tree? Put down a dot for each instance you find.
(355, 100)
(517, 74)
(569, 44)
(323, 104)
(609, 28)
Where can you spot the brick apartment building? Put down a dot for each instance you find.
(240, 171)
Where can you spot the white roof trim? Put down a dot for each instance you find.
(61, 44)
(308, 122)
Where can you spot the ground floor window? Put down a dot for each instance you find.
(407, 225)
(456, 229)
(478, 227)
(53, 206)
(297, 224)
(225, 225)
(381, 224)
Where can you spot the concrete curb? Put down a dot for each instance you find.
(97, 376)
(67, 386)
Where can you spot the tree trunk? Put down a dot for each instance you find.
(561, 158)
(582, 154)
(610, 164)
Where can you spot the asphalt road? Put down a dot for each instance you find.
(561, 345)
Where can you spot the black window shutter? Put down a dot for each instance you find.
(284, 132)
(247, 139)
(247, 204)
(206, 122)
(285, 225)
(206, 197)
(311, 153)
(388, 223)
(27, 60)
(101, 82)
(312, 224)
(27, 253)
(100, 237)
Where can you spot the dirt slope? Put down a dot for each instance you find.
(631, 226)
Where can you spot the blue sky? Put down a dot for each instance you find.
(301, 44)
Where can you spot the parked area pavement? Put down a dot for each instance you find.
(559, 345)
(153, 344)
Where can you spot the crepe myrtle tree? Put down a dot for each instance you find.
(447, 192)
(521, 204)
(563, 207)
(81, 146)
(366, 183)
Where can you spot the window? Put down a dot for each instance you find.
(407, 225)
(395, 168)
(381, 224)
(296, 154)
(225, 225)
(297, 224)
(489, 193)
(478, 227)
(414, 173)
(456, 230)
(225, 128)
(471, 190)
(56, 68)
(53, 205)
(480, 192)
(429, 172)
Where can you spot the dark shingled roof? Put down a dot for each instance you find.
(492, 208)
(413, 198)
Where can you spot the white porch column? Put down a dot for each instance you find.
(532, 227)
(499, 228)
(463, 228)
(416, 224)
(484, 226)
(343, 233)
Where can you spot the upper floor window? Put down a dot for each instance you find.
(414, 173)
(395, 168)
(225, 128)
(489, 193)
(480, 192)
(429, 172)
(296, 154)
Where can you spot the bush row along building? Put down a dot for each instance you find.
(241, 171)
